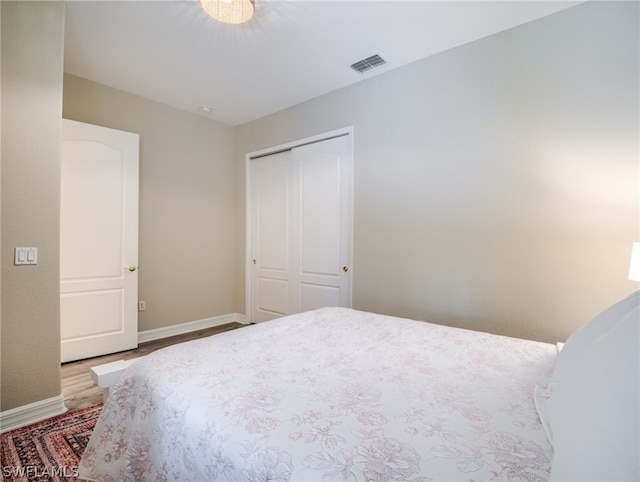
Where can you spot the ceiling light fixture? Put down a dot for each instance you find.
(229, 11)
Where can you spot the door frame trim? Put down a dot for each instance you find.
(344, 131)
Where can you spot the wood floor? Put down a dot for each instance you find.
(80, 391)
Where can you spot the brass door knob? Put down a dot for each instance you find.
(345, 268)
(131, 268)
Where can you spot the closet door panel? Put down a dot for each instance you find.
(272, 208)
(324, 223)
(271, 236)
(320, 214)
(316, 296)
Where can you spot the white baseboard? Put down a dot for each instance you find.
(31, 413)
(182, 328)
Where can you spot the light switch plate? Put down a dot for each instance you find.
(23, 256)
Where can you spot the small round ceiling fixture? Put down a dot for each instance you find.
(229, 11)
(205, 108)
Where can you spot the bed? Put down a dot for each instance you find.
(337, 394)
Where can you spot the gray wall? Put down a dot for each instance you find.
(496, 184)
(32, 56)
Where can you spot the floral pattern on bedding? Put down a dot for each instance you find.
(328, 395)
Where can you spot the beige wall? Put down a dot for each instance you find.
(187, 202)
(32, 57)
(496, 184)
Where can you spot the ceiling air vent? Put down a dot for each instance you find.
(369, 63)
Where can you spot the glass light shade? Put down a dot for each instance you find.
(229, 11)
(634, 266)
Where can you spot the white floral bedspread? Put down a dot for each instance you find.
(333, 394)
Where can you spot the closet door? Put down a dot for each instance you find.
(301, 229)
(322, 222)
(271, 193)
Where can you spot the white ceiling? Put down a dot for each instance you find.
(291, 51)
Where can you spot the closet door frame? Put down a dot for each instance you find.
(345, 131)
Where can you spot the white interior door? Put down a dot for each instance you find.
(322, 222)
(300, 229)
(271, 196)
(98, 240)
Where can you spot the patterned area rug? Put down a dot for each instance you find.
(49, 450)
